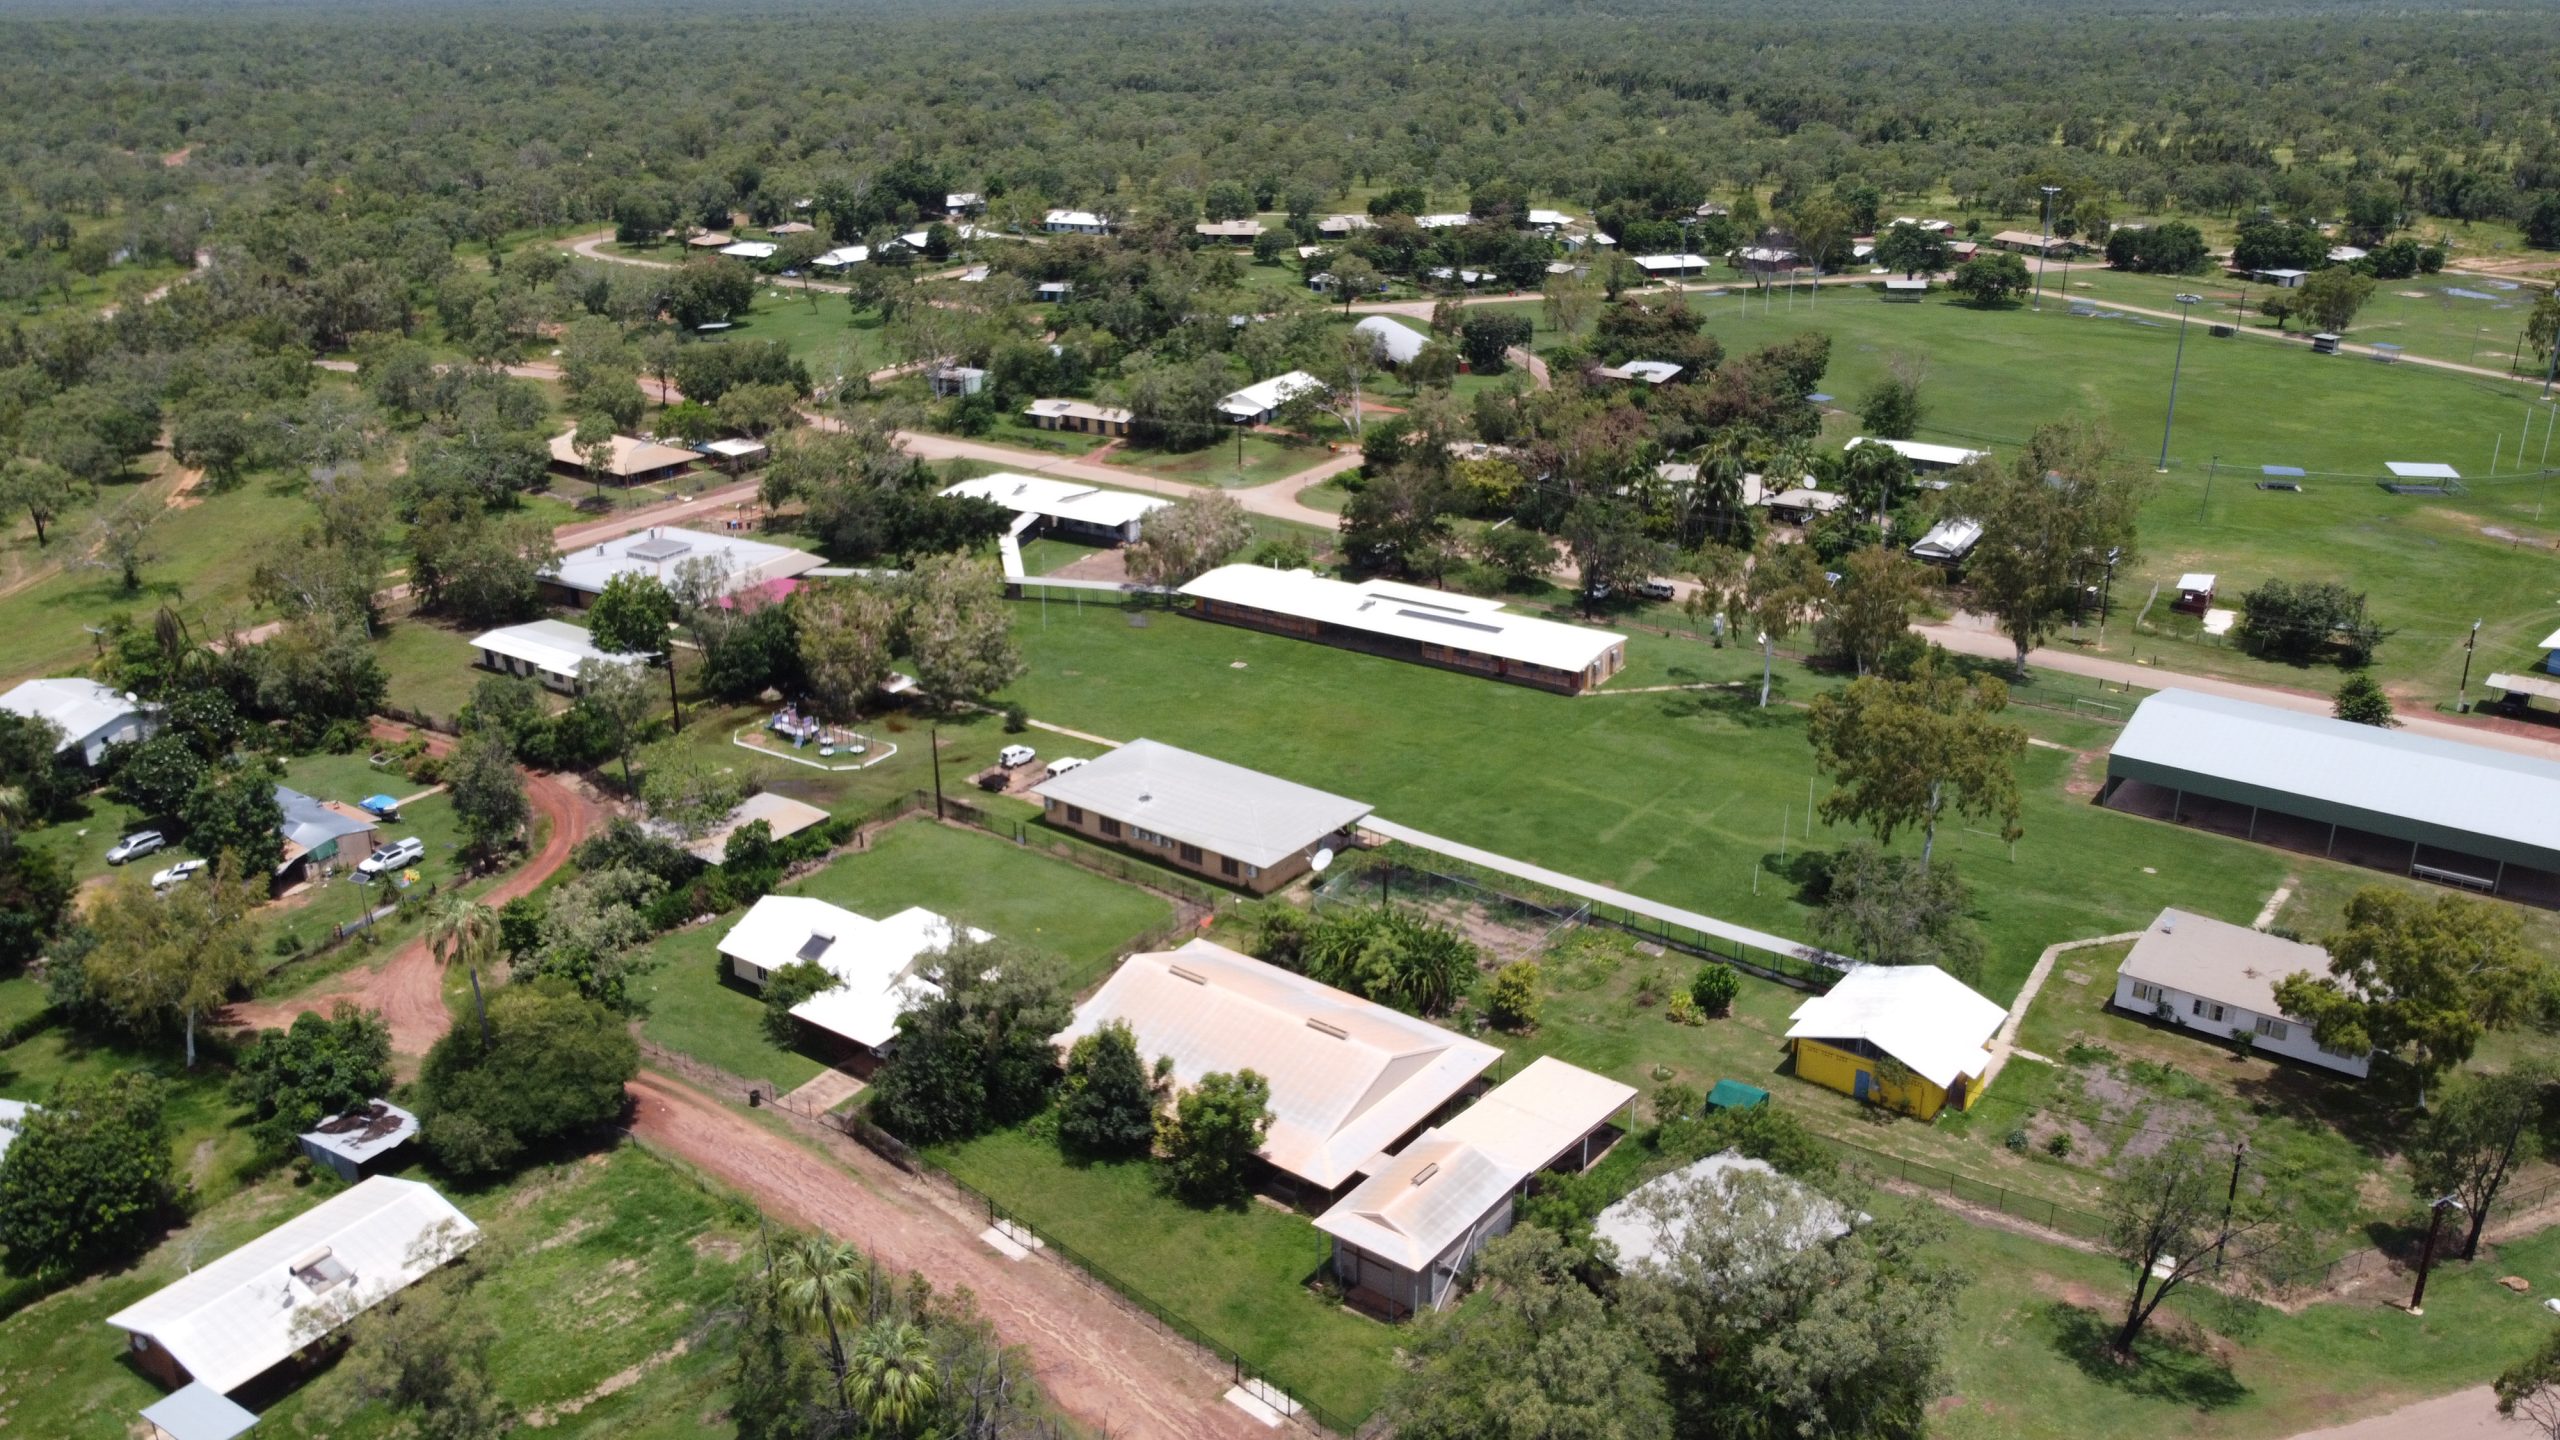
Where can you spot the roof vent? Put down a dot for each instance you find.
(1322, 1028)
(1426, 1172)
(1194, 976)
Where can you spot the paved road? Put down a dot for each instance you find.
(2464, 1415)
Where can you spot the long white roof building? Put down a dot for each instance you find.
(663, 550)
(1409, 613)
(875, 962)
(1084, 505)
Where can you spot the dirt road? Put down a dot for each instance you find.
(1107, 1368)
(409, 987)
(2464, 1415)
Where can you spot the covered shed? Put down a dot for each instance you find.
(1936, 1028)
(1408, 622)
(1084, 512)
(1550, 1116)
(348, 1144)
(781, 814)
(2195, 592)
(1396, 343)
(2440, 810)
(1257, 403)
(197, 1412)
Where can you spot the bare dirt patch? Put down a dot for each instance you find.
(1111, 564)
(717, 1247)
(2085, 776)
(623, 1379)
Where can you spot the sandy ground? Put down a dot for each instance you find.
(2464, 1415)
(1104, 1366)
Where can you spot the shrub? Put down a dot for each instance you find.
(1714, 989)
(787, 987)
(1016, 718)
(2060, 1145)
(1682, 1010)
(1512, 999)
(1210, 1139)
(2016, 1140)
(293, 1079)
(1107, 1105)
(554, 1066)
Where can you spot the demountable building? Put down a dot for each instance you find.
(1933, 1026)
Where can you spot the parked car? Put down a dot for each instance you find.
(392, 856)
(1063, 764)
(135, 846)
(177, 874)
(1656, 590)
(1013, 757)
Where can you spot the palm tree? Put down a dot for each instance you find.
(821, 1279)
(463, 930)
(13, 810)
(893, 1375)
(1722, 461)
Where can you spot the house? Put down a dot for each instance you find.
(783, 816)
(918, 241)
(2195, 593)
(2285, 278)
(2219, 978)
(751, 250)
(1948, 542)
(90, 716)
(1959, 251)
(661, 552)
(878, 964)
(1925, 459)
(1239, 232)
(320, 834)
(1339, 226)
(1237, 826)
(1548, 220)
(349, 1143)
(1656, 267)
(842, 256)
(1084, 512)
(2346, 254)
(1645, 372)
(1801, 504)
(2028, 242)
(963, 202)
(547, 650)
(791, 227)
(1257, 403)
(735, 454)
(1052, 292)
(1444, 220)
(1464, 277)
(233, 1320)
(1350, 1078)
(1925, 227)
(1767, 257)
(1324, 281)
(1649, 1223)
(1075, 222)
(951, 381)
(2439, 810)
(1403, 1236)
(1395, 343)
(711, 240)
(633, 461)
(1917, 1018)
(1576, 240)
(1408, 622)
(1082, 416)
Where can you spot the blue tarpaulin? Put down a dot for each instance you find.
(381, 804)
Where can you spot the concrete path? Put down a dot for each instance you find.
(1606, 895)
(2463, 1415)
(1972, 635)
(2004, 1042)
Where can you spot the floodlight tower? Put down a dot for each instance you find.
(2186, 307)
(2047, 247)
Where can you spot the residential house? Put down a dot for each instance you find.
(1233, 232)
(1083, 512)
(952, 381)
(226, 1323)
(1657, 267)
(1925, 459)
(1549, 221)
(632, 462)
(661, 552)
(878, 964)
(841, 257)
(320, 835)
(1258, 403)
(963, 202)
(1053, 292)
(1444, 220)
(750, 250)
(1403, 1236)
(790, 228)
(1948, 542)
(90, 716)
(1340, 227)
(349, 1144)
(1641, 372)
(546, 650)
(1082, 416)
(1394, 342)
(1237, 826)
(2218, 978)
(1408, 622)
(1075, 222)
(1350, 1079)
(1912, 1037)
(783, 818)
(2028, 242)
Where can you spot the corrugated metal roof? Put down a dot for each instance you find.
(1649, 1220)
(1420, 1202)
(1225, 809)
(662, 550)
(1531, 1119)
(79, 707)
(875, 962)
(1059, 500)
(2219, 960)
(1918, 1014)
(553, 646)
(1407, 612)
(1348, 1076)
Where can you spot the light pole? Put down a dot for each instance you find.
(2047, 247)
(2186, 307)
(2427, 1256)
(2462, 698)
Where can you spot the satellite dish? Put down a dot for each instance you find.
(1320, 860)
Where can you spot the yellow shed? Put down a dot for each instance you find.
(1912, 1037)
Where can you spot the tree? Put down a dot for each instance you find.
(2542, 221)
(1107, 1104)
(233, 811)
(893, 1376)
(1891, 411)
(844, 633)
(2531, 1386)
(681, 787)
(1210, 1139)
(487, 791)
(175, 956)
(425, 1352)
(1487, 337)
(2480, 1130)
(1991, 278)
(36, 887)
(2422, 978)
(2330, 298)
(787, 987)
(1609, 547)
(2175, 1214)
(1910, 249)
(594, 929)
(975, 1053)
(959, 634)
(480, 568)
(1380, 952)
(1570, 300)
(553, 1066)
(830, 1282)
(2363, 701)
(615, 697)
(1713, 989)
(1185, 540)
(1355, 278)
(633, 615)
(1909, 752)
(87, 1175)
(1890, 910)
(120, 539)
(463, 932)
(1757, 1332)
(593, 440)
(293, 1079)
(41, 489)
(1870, 610)
(1537, 1356)
(2299, 621)
(157, 776)
(2052, 524)
(1783, 590)
(1513, 998)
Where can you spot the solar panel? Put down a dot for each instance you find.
(815, 946)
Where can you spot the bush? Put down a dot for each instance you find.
(1210, 1139)
(1107, 1104)
(1513, 999)
(1714, 988)
(2060, 1145)
(1682, 1010)
(1280, 935)
(1016, 718)
(87, 1175)
(1762, 1132)
(293, 1079)
(787, 987)
(553, 1068)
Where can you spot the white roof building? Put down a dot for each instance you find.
(1410, 613)
(1648, 1222)
(1075, 222)
(90, 716)
(347, 1143)
(875, 962)
(1405, 1234)
(1344, 224)
(13, 1118)
(2221, 978)
(632, 457)
(1062, 408)
(1680, 264)
(1194, 799)
(1349, 1077)
(1918, 1014)
(1924, 456)
(1649, 372)
(1257, 402)
(1949, 540)
(1444, 220)
(1766, 255)
(842, 256)
(242, 1315)
(1548, 219)
(554, 648)
(783, 816)
(1083, 507)
(662, 551)
(1541, 1116)
(751, 249)
(1396, 343)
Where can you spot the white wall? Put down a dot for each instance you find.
(2296, 1042)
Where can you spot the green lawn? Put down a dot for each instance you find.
(82, 838)
(308, 917)
(819, 327)
(1265, 458)
(431, 664)
(1237, 1274)
(590, 1269)
(1017, 894)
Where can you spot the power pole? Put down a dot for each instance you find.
(2427, 1256)
(934, 740)
(2230, 1202)
(2046, 248)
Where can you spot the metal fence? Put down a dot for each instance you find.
(2034, 1209)
(1100, 859)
